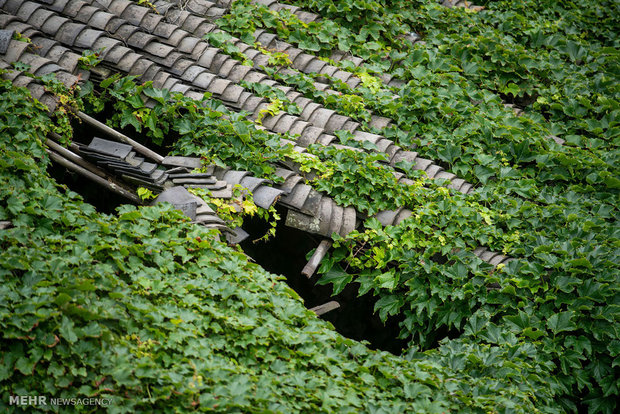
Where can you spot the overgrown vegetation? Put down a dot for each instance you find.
(538, 334)
(149, 311)
(556, 205)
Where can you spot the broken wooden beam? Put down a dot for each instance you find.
(316, 258)
(326, 307)
(6, 225)
(73, 157)
(108, 183)
(120, 137)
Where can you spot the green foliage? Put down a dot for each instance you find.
(539, 333)
(553, 206)
(204, 128)
(89, 59)
(421, 270)
(224, 41)
(276, 58)
(152, 312)
(279, 100)
(274, 108)
(145, 194)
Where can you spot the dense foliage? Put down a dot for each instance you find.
(540, 333)
(555, 204)
(154, 313)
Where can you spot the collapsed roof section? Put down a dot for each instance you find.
(133, 40)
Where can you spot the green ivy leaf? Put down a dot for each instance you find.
(338, 277)
(66, 330)
(561, 322)
(388, 305)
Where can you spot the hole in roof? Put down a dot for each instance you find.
(285, 254)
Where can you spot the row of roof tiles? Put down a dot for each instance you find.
(315, 124)
(306, 17)
(301, 60)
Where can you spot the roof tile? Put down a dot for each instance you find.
(191, 23)
(265, 196)
(134, 14)
(118, 6)
(39, 17)
(85, 13)
(433, 170)
(204, 80)
(47, 68)
(115, 54)
(150, 21)
(270, 121)
(206, 59)
(53, 24)
(302, 61)
(255, 76)
(128, 60)
(100, 19)
(239, 72)
(158, 49)
(336, 219)
(139, 40)
(226, 68)
(309, 135)
(15, 50)
(192, 73)
(87, 38)
(325, 215)
(422, 163)
(309, 110)
(218, 86)
(232, 93)
(141, 67)
(284, 124)
(58, 5)
(27, 9)
(252, 103)
(314, 66)
(218, 61)
(188, 44)
(69, 61)
(336, 123)
(164, 30)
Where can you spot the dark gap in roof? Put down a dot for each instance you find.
(104, 200)
(285, 254)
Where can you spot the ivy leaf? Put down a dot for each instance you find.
(575, 51)
(160, 95)
(66, 330)
(520, 320)
(561, 322)
(387, 280)
(511, 88)
(388, 305)
(450, 153)
(338, 277)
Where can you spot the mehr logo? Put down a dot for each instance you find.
(41, 400)
(28, 400)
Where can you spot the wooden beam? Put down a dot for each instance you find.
(316, 258)
(109, 183)
(120, 137)
(5, 225)
(73, 157)
(326, 307)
